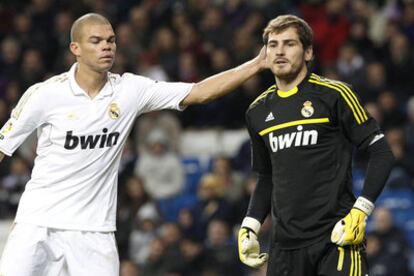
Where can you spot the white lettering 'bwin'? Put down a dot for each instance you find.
(297, 139)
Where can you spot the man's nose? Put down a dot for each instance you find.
(280, 51)
(106, 45)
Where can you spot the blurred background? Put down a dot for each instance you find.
(185, 178)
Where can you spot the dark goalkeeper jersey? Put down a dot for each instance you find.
(304, 138)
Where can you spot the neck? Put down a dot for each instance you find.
(90, 81)
(287, 84)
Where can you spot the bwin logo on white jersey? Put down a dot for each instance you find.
(91, 141)
(293, 139)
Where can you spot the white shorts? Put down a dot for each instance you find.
(40, 251)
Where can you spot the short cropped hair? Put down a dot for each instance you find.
(76, 30)
(283, 22)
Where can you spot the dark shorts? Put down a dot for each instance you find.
(320, 259)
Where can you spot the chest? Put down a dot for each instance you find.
(80, 122)
(295, 122)
(85, 115)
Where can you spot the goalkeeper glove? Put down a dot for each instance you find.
(350, 229)
(249, 248)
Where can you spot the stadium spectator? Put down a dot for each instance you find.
(133, 206)
(350, 64)
(129, 268)
(156, 264)
(144, 231)
(399, 62)
(220, 249)
(331, 27)
(388, 252)
(127, 43)
(13, 185)
(210, 205)
(392, 116)
(192, 257)
(159, 167)
(375, 81)
(409, 127)
(403, 170)
(213, 29)
(231, 180)
(9, 58)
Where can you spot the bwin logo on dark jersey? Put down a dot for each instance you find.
(293, 139)
(91, 141)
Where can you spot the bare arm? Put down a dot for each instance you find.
(1, 156)
(221, 84)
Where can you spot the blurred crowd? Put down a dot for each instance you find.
(176, 215)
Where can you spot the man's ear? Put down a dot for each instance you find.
(309, 54)
(75, 49)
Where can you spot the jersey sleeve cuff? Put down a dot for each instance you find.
(180, 106)
(252, 224)
(364, 205)
(5, 152)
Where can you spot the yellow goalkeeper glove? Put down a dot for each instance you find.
(249, 248)
(351, 229)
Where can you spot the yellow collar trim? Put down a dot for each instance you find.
(285, 94)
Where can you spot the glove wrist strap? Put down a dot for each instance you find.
(364, 205)
(252, 224)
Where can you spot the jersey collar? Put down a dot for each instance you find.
(78, 91)
(294, 90)
(285, 94)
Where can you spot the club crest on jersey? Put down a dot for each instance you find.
(307, 109)
(114, 111)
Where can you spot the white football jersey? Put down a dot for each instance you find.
(74, 179)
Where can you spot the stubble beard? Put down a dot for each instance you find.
(290, 75)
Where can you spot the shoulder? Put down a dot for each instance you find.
(39, 95)
(343, 93)
(50, 85)
(129, 78)
(337, 87)
(262, 97)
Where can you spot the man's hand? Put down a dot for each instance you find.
(351, 229)
(261, 58)
(249, 248)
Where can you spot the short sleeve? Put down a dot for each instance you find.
(261, 162)
(355, 121)
(25, 118)
(155, 95)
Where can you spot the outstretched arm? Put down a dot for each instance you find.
(221, 84)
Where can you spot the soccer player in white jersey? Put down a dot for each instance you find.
(65, 222)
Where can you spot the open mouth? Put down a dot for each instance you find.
(281, 61)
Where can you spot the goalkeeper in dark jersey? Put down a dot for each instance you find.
(303, 130)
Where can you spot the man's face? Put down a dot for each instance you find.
(285, 54)
(96, 47)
